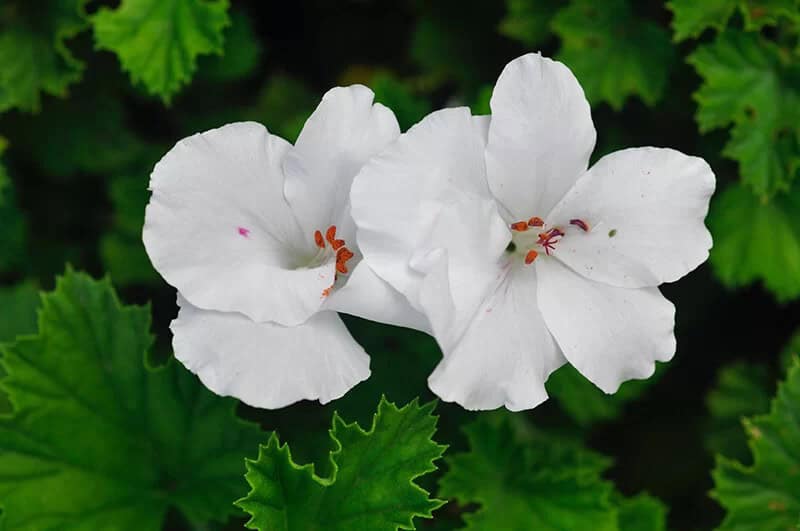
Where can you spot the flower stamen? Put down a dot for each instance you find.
(580, 224)
(536, 221)
(519, 226)
(530, 257)
(318, 239)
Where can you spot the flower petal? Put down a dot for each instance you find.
(267, 365)
(609, 334)
(540, 137)
(368, 296)
(398, 197)
(505, 355)
(645, 209)
(345, 130)
(218, 229)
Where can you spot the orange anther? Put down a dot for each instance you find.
(344, 254)
(530, 257)
(326, 291)
(341, 267)
(318, 239)
(336, 244)
(520, 226)
(330, 234)
(536, 221)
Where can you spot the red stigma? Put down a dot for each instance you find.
(549, 239)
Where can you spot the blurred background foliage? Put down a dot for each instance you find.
(93, 93)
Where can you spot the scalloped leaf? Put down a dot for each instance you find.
(691, 18)
(766, 495)
(614, 53)
(98, 441)
(524, 479)
(371, 484)
(747, 83)
(742, 254)
(34, 58)
(158, 41)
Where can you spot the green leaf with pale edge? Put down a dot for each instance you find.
(528, 21)
(587, 404)
(757, 240)
(691, 18)
(158, 41)
(742, 389)
(748, 84)
(371, 486)
(34, 57)
(614, 53)
(525, 481)
(97, 440)
(766, 495)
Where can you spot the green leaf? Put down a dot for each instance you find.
(240, 55)
(791, 351)
(528, 21)
(97, 440)
(742, 389)
(527, 482)
(371, 485)
(757, 240)
(121, 248)
(641, 513)
(691, 18)
(158, 41)
(766, 496)
(398, 96)
(587, 404)
(614, 53)
(34, 57)
(748, 84)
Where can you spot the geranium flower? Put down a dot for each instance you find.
(257, 237)
(520, 257)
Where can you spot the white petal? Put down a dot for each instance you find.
(265, 364)
(344, 131)
(540, 137)
(367, 295)
(645, 208)
(506, 354)
(398, 197)
(218, 229)
(609, 334)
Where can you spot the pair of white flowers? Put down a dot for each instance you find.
(489, 232)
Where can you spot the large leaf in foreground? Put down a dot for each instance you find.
(371, 486)
(766, 496)
(98, 441)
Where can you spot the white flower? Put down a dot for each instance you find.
(520, 257)
(257, 237)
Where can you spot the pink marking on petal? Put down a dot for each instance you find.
(244, 232)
